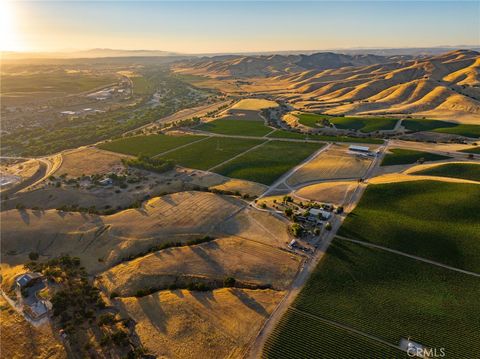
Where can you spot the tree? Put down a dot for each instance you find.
(296, 229)
(288, 212)
(229, 282)
(33, 256)
(328, 226)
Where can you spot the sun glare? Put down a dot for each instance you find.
(8, 36)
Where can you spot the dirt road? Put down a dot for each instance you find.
(256, 347)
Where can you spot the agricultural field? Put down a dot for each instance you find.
(268, 162)
(328, 192)
(300, 335)
(254, 104)
(466, 130)
(311, 119)
(233, 126)
(333, 163)
(442, 127)
(52, 83)
(303, 136)
(210, 151)
(474, 150)
(378, 293)
(147, 145)
(88, 161)
(366, 125)
(399, 156)
(248, 262)
(191, 324)
(416, 217)
(469, 171)
(287, 134)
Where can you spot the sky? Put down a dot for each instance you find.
(230, 26)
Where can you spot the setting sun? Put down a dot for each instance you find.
(9, 40)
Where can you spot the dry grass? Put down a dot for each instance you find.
(334, 163)
(20, 340)
(24, 169)
(88, 161)
(403, 177)
(426, 146)
(183, 324)
(257, 226)
(329, 192)
(254, 104)
(247, 261)
(101, 241)
(242, 186)
(177, 217)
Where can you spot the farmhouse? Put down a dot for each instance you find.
(318, 212)
(38, 308)
(27, 279)
(361, 149)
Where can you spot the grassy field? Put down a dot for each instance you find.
(400, 156)
(268, 162)
(364, 124)
(442, 127)
(300, 335)
(147, 145)
(469, 171)
(287, 134)
(236, 127)
(311, 119)
(435, 220)
(210, 152)
(474, 150)
(301, 136)
(370, 124)
(392, 297)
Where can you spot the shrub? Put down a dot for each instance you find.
(33, 256)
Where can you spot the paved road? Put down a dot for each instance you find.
(38, 176)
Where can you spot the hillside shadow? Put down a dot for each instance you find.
(24, 216)
(250, 302)
(153, 311)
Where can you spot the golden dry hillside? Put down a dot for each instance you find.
(101, 241)
(445, 86)
(184, 324)
(249, 262)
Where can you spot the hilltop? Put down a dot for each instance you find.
(446, 85)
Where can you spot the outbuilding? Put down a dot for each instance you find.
(362, 149)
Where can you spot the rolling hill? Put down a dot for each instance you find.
(440, 86)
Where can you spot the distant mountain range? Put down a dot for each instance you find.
(93, 53)
(105, 52)
(445, 85)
